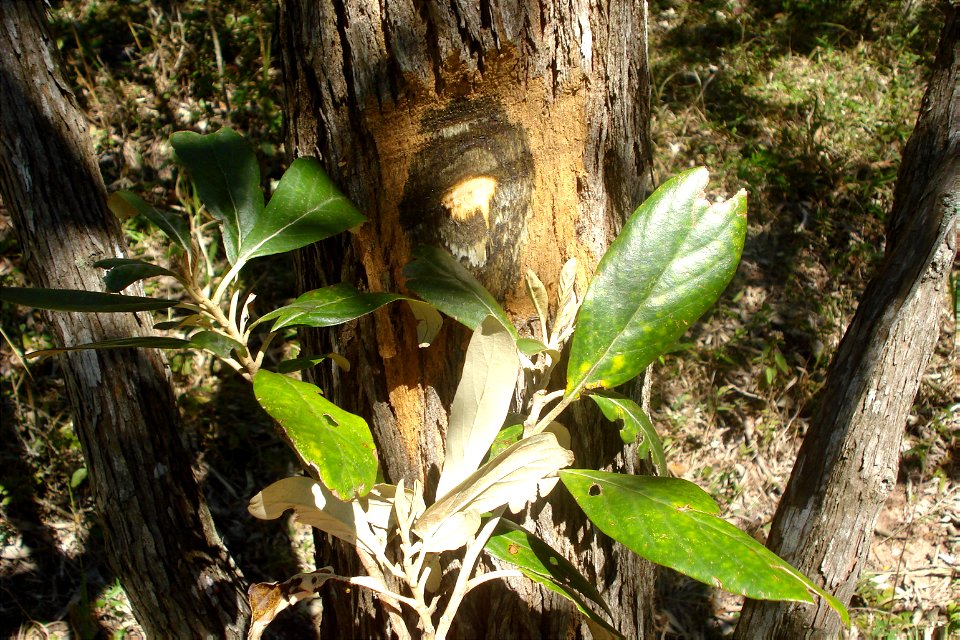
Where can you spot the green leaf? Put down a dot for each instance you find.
(335, 446)
(506, 437)
(541, 563)
(327, 307)
(635, 422)
(305, 208)
(307, 362)
(673, 259)
(77, 478)
(147, 342)
(437, 277)
(193, 320)
(227, 177)
(674, 523)
(781, 362)
(217, 344)
(83, 301)
(122, 272)
(126, 204)
(531, 347)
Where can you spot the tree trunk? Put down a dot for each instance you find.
(404, 101)
(847, 464)
(158, 533)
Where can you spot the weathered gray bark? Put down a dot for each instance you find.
(847, 464)
(404, 101)
(159, 535)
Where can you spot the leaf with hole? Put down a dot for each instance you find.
(635, 423)
(541, 563)
(268, 599)
(672, 260)
(334, 445)
(675, 523)
(83, 301)
(480, 403)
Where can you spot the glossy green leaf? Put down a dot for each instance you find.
(437, 277)
(531, 347)
(126, 204)
(671, 261)
(305, 208)
(82, 301)
(122, 272)
(335, 446)
(217, 344)
(227, 177)
(327, 307)
(146, 342)
(675, 523)
(506, 437)
(308, 362)
(538, 561)
(193, 320)
(480, 404)
(635, 423)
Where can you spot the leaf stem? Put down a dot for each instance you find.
(557, 409)
(462, 586)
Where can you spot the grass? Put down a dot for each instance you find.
(807, 104)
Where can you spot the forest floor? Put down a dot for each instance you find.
(806, 104)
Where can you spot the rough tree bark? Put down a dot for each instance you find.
(407, 102)
(847, 465)
(159, 535)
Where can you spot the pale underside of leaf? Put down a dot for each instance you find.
(481, 402)
(515, 472)
(353, 521)
(429, 321)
